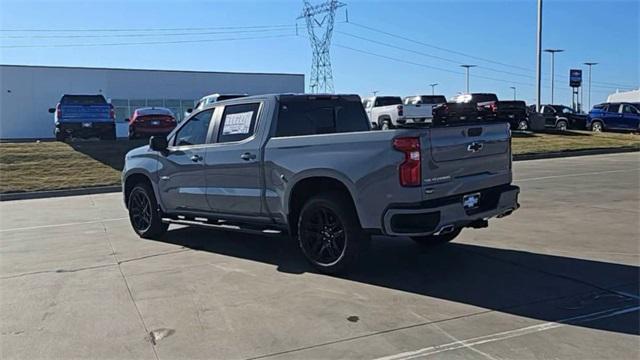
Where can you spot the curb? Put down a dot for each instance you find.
(114, 189)
(59, 193)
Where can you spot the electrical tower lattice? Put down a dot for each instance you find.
(320, 19)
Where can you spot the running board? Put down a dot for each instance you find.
(222, 226)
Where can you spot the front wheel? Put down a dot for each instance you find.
(596, 126)
(437, 239)
(144, 213)
(329, 233)
(561, 125)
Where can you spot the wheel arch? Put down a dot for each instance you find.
(309, 186)
(132, 179)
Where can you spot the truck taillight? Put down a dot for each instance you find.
(410, 170)
(58, 111)
(400, 110)
(112, 112)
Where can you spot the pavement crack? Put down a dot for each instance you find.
(57, 271)
(126, 283)
(153, 255)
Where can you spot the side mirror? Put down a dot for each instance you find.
(158, 143)
(189, 110)
(52, 110)
(126, 120)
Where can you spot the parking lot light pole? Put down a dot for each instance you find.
(553, 58)
(590, 64)
(468, 66)
(539, 57)
(433, 86)
(514, 91)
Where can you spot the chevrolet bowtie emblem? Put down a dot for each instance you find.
(474, 147)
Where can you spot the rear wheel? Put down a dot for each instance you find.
(561, 125)
(596, 126)
(523, 125)
(60, 136)
(329, 233)
(144, 213)
(386, 125)
(437, 239)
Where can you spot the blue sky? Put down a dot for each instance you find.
(500, 31)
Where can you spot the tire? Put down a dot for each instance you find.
(523, 125)
(146, 223)
(111, 135)
(562, 125)
(329, 233)
(596, 126)
(60, 136)
(132, 135)
(430, 240)
(386, 125)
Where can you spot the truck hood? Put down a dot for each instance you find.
(138, 151)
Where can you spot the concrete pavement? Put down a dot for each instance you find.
(558, 279)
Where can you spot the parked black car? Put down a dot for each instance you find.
(515, 112)
(562, 117)
(463, 107)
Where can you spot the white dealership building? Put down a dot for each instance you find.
(27, 92)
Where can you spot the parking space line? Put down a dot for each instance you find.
(62, 225)
(571, 175)
(436, 349)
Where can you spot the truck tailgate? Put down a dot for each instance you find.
(418, 111)
(462, 159)
(85, 112)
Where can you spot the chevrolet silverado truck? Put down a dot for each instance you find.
(310, 166)
(388, 112)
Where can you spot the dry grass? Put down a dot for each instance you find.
(55, 165)
(571, 140)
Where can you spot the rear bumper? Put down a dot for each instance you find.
(151, 130)
(433, 216)
(77, 129)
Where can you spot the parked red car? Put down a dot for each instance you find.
(150, 121)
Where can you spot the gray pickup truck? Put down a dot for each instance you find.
(310, 166)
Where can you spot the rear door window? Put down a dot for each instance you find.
(238, 122)
(322, 116)
(629, 109)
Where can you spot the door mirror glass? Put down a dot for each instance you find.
(158, 143)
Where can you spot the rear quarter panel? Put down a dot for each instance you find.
(365, 162)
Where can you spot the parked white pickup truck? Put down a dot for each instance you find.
(388, 112)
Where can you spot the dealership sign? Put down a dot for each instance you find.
(575, 77)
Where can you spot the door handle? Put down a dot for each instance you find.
(247, 156)
(196, 158)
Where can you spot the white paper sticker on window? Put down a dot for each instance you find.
(237, 123)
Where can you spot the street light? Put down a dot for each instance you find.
(553, 57)
(467, 66)
(375, 92)
(433, 86)
(514, 91)
(590, 64)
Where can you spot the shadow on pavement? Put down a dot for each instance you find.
(509, 281)
(110, 153)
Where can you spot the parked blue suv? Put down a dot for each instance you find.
(614, 116)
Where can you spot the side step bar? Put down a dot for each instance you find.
(223, 226)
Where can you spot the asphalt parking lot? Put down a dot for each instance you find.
(558, 279)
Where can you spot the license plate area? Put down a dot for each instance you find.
(155, 122)
(471, 201)
(87, 124)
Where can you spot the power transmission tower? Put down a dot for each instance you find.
(320, 19)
